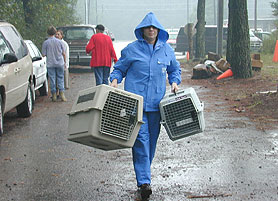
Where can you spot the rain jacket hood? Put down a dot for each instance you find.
(151, 20)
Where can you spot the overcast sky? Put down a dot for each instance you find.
(122, 16)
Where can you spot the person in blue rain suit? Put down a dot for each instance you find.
(144, 64)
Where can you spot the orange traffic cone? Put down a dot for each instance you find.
(187, 56)
(275, 56)
(227, 73)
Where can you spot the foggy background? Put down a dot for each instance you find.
(122, 16)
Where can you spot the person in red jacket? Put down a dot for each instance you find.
(101, 48)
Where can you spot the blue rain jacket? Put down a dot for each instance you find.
(145, 68)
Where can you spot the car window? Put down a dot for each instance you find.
(35, 49)
(77, 33)
(4, 49)
(31, 51)
(14, 38)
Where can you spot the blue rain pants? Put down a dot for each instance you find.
(144, 147)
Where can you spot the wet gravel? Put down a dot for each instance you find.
(229, 161)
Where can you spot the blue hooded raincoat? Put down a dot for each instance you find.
(145, 68)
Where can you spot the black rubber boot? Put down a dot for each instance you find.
(145, 191)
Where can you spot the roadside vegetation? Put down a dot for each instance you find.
(270, 68)
(33, 17)
(269, 43)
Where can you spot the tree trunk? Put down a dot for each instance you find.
(238, 42)
(200, 26)
(190, 39)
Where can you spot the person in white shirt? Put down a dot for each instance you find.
(60, 35)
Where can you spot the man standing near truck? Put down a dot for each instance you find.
(101, 48)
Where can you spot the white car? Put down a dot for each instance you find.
(16, 74)
(39, 68)
(255, 43)
(173, 34)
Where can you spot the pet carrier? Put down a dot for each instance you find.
(182, 114)
(106, 118)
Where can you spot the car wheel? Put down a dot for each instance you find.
(26, 107)
(1, 117)
(44, 88)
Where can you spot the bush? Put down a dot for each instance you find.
(33, 17)
(269, 44)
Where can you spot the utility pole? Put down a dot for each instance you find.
(255, 16)
(187, 11)
(219, 48)
(89, 8)
(96, 13)
(85, 17)
(214, 9)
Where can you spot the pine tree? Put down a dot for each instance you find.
(200, 26)
(238, 43)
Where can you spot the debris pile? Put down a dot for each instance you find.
(212, 66)
(216, 65)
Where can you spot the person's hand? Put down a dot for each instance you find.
(114, 83)
(175, 87)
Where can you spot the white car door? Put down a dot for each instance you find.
(19, 81)
(7, 75)
(39, 65)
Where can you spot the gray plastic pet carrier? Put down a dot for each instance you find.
(106, 118)
(182, 114)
